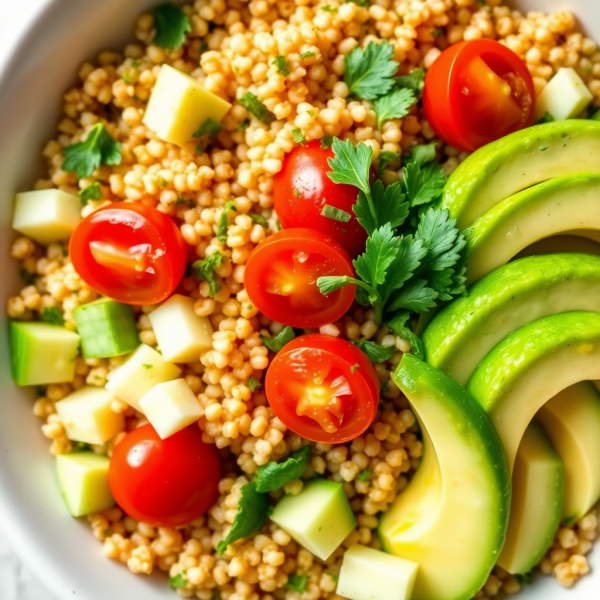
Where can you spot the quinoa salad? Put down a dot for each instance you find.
(311, 265)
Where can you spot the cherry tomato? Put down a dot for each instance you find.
(477, 92)
(281, 278)
(323, 388)
(302, 189)
(165, 483)
(130, 252)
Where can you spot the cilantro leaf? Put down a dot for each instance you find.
(394, 105)
(250, 518)
(255, 107)
(421, 155)
(281, 63)
(52, 315)
(398, 325)
(382, 249)
(375, 352)
(365, 475)
(171, 26)
(336, 214)
(224, 220)
(274, 475)
(259, 220)
(297, 583)
(253, 384)
(98, 148)
(210, 128)
(415, 297)
(204, 270)
(351, 164)
(179, 581)
(275, 344)
(91, 192)
(384, 160)
(415, 81)
(298, 136)
(423, 184)
(369, 72)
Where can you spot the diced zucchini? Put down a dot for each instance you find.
(83, 482)
(170, 407)
(181, 334)
(178, 106)
(139, 374)
(87, 416)
(565, 96)
(42, 353)
(46, 216)
(107, 328)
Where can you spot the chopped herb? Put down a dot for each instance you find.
(278, 226)
(243, 125)
(547, 118)
(199, 149)
(224, 220)
(297, 583)
(363, 3)
(335, 578)
(326, 141)
(281, 63)
(274, 475)
(365, 475)
(297, 193)
(394, 105)
(210, 128)
(135, 63)
(249, 306)
(369, 72)
(336, 214)
(259, 220)
(181, 200)
(384, 160)
(147, 366)
(275, 344)
(79, 446)
(595, 116)
(354, 368)
(570, 520)
(91, 192)
(52, 315)
(204, 270)
(298, 136)
(179, 581)
(375, 352)
(481, 2)
(525, 578)
(311, 113)
(437, 32)
(415, 81)
(398, 325)
(171, 26)
(329, 8)
(255, 107)
(163, 182)
(253, 384)
(27, 277)
(127, 78)
(307, 54)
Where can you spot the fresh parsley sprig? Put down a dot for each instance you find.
(370, 72)
(204, 270)
(171, 25)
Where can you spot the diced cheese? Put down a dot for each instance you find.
(139, 374)
(170, 407)
(46, 216)
(178, 106)
(87, 416)
(181, 334)
(565, 96)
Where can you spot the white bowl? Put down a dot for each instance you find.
(59, 550)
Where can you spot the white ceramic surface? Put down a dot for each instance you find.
(59, 550)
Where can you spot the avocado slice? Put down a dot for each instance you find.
(531, 366)
(537, 501)
(562, 205)
(459, 338)
(452, 517)
(561, 243)
(518, 161)
(572, 422)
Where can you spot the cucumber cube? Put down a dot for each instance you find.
(369, 574)
(139, 374)
(565, 96)
(83, 482)
(42, 353)
(107, 328)
(46, 216)
(318, 518)
(181, 334)
(170, 407)
(87, 416)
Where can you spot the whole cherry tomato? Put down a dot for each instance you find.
(323, 388)
(165, 483)
(302, 190)
(281, 278)
(130, 252)
(477, 92)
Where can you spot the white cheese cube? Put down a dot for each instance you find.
(87, 416)
(565, 96)
(139, 374)
(171, 407)
(369, 574)
(46, 216)
(181, 334)
(178, 106)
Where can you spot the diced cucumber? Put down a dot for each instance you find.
(369, 574)
(565, 96)
(87, 415)
(42, 353)
(83, 482)
(107, 328)
(318, 518)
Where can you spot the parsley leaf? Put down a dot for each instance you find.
(363, 3)
(382, 249)
(210, 128)
(281, 62)
(394, 105)
(253, 384)
(224, 220)
(179, 581)
(259, 220)
(398, 325)
(98, 148)
(204, 270)
(390, 203)
(351, 164)
(307, 54)
(91, 192)
(255, 107)
(52, 315)
(328, 8)
(336, 214)
(275, 344)
(365, 475)
(369, 72)
(421, 155)
(326, 142)
(525, 578)
(415, 297)
(384, 160)
(297, 583)
(243, 125)
(408, 259)
(375, 352)
(547, 118)
(298, 136)
(171, 26)
(415, 81)
(423, 184)
(274, 475)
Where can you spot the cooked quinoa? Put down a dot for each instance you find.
(231, 50)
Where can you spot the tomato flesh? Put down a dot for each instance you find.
(477, 92)
(323, 388)
(130, 252)
(302, 189)
(281, 278)
(165, 483)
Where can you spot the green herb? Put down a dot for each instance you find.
(369, 72)
(210, 128)
(415, 81)
(243, 125)
(297, 193)
(363, 3)
(328, 8)
(298, 136)
(27, 277)
(365, 475)
(354, 368)
(204, 270)
(163, 183)
(327, 141)
(274, 475)
(311, 113)
(253, 384)
(336, 214)
(275, 344)
(335, 578)
(199, 149)
(525, 578)
(421, 155)
(224, 220)
(147, 366)
(281, 63)
(394, 105)
(547, 118)
(179, 581)
(424, 184)
(255, 107)
(481, 2)
(171, 26)
(79, 446)
(250, 518)
(135, 63)
(91, 192)
(297, 583)
(570, 521)
(375, 352)
(307, 54)
(595, 116)
(181, 200)
(259, 220)
(98, 148)
(437, 32)
(398, 325)
(384, 160)
(52, 315)
(127, 78)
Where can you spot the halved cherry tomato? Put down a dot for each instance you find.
(323, 388)
(302, 189)
(165, 483)
(281, 278)
(477, 92)
(129, 252)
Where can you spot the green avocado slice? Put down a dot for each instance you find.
(561, 243)
(531, 366)
(519, 161)
(452, 517)
(460, 336)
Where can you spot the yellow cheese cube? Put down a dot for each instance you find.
(170, 407)
(565, 96)
(181, 334)
(178, 106)
(87, 416)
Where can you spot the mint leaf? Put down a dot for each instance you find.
(398, 325)
(351, 164)
(281, 63)
(224, 220)
(204, 270)
(52, 315)
(255, 107)
(423, 184)
(336, 214)
(210, 128)
(384, 159)
(297, 583)
(98, 148)
(91, 192)
(375, 352)
(394, 105)
(382, 249)
(274, 475)
(171, 26)
(415, 81)
(253, 384)
(369, 72)
(365, 475)
(179, 581)
(421, 155)
(414, 297)
(275, 344)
